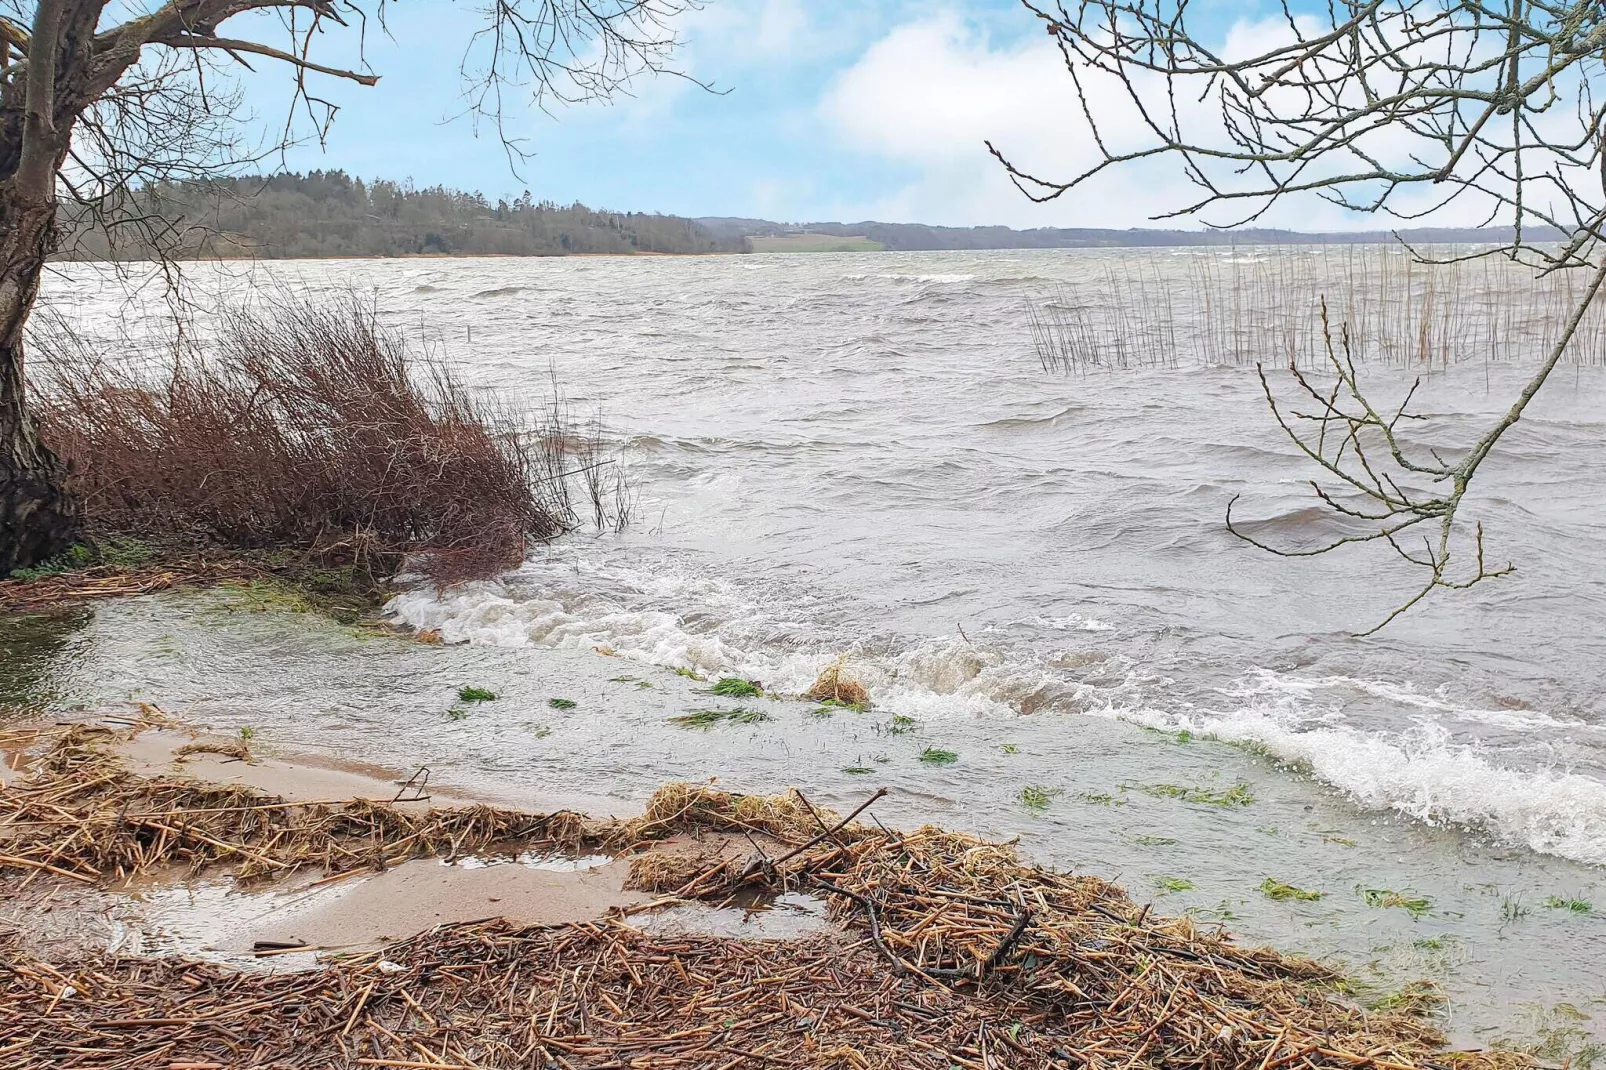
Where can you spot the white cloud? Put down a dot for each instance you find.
(743, 33)
(929, 93)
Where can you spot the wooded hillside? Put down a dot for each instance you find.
(331, 214)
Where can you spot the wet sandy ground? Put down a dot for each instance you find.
(287, 924)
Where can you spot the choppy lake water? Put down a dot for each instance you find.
(860, 455)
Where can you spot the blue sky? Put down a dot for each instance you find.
(830, 110)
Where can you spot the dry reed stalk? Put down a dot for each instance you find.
(114, 581)
(832, 686)
(84, 815)
(957, 954)
(314, 428)
(1260, 305)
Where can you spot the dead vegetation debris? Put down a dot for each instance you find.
(85, 817)
(952, 952)
(832, 686)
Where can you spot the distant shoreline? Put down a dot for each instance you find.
(835, 246)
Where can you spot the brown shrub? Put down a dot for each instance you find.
(312, 427)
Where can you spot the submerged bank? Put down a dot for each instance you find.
(945, 950)
(1198, 827)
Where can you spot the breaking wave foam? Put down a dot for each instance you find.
(1420, 772)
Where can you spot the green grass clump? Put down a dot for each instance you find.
(710, 718)
(562, 703)
(475, 694)
(1009, 748)
(856, 707)
(1276, 889)
(691, 675)
(902, 724)
(75, 557)
(1512, 908)
(857, 770)
(1166, 885)
(456, 713)
(124, 552)
(1416, 999)
(1103, 798)
(247, 733)
(1036, 797)
(938, 756)
(1414, 905)
(1576, 906)
(735, 687)
(1237, 795)
(266, 596)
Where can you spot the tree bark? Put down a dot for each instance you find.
(38, 518)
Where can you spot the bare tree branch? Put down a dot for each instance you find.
(1398, 107)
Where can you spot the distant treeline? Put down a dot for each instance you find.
(331, 214)
(914, 236)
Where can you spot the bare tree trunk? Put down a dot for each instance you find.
(37, 517)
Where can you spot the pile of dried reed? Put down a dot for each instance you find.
(955, 953)
(832, 686)
(84, 816)
(115, 581)
(1070, 957)
(314, 428)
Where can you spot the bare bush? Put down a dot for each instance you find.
(312, 427)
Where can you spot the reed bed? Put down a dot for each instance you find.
(952, 952)
(1262, 305)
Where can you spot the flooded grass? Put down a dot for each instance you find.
(1168, 885)
(1387, 898)
(938, 756)
(1279, 890)
(475, 694)
(1035, 797)
(735, 687)
(1571, 905)
(691, 674)
(562, 703)
(709, 718)
(1417, 999)
(1237, 795)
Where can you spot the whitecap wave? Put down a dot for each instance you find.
(1420, 773)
